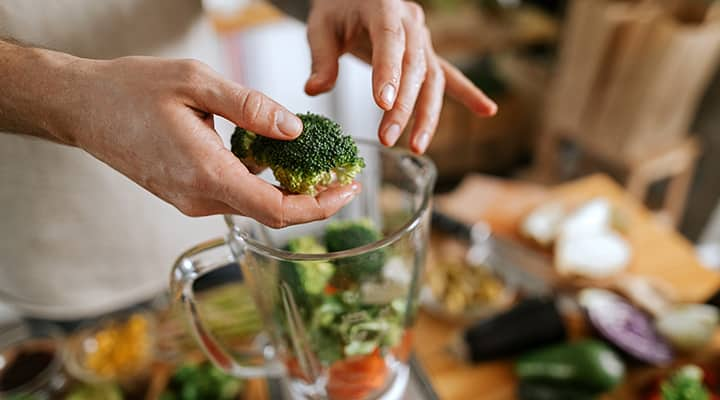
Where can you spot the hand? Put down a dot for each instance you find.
(151, 119)
(408, 77)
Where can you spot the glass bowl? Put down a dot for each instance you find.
(115, 349)
(31, 362)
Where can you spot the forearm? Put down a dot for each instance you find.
(34, 83)
(295, 8)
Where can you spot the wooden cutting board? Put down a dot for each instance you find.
(659, 252)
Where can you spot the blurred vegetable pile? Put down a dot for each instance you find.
(461, 288)
(685, 384)
(119, 349)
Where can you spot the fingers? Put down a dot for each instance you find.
(414, 70)
(463, 90)
(298, 209)
(252, 196)
(256, 112)
(325, 51)
(247, 108)
(203, 208)
(429, 104)
(388, 41)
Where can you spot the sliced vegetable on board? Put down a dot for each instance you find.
(591, 218)
(543, 223)
(688, 327)
(599, 255)
(625, 326)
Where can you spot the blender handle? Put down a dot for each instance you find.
(185, 272)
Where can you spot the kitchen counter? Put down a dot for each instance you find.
(659, 253)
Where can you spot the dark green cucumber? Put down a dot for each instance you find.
(588, 364)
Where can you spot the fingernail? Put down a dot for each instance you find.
(347, 196)
(288, 124)
(487, 108)
(493, 107)
(392, 133)
(314, 79)
(355, 187)
(422, 141)
(387, 95)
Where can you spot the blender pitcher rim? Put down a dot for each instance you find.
(397, 234)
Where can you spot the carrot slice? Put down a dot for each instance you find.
(294, 369)
(357, 377)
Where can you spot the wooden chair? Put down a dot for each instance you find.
(627, 84)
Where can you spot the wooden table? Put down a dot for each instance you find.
(659, 253)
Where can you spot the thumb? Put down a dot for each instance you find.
(249, 109)
(325, 52)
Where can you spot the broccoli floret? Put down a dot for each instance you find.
(321, 155)
(345, 235)
(686, 384)
(308, 276)
(240, 142)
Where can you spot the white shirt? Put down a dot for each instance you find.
(76, 237)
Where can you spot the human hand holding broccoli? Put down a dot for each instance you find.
(152, 120)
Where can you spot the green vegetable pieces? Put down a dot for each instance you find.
(685, 384)
(202, 382)
(327, 295)
(321, 155)
(344, 235)
(344, 326)
(310, 276)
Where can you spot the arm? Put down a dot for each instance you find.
(26, 76)
(151, 119)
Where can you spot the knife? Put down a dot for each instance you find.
(529, 271)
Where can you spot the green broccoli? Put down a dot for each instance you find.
(308, 276)
(345, 235)
(321, 155)
(686, 384)
(200, 382)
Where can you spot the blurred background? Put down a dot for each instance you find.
(629, 89)
(608, 132)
